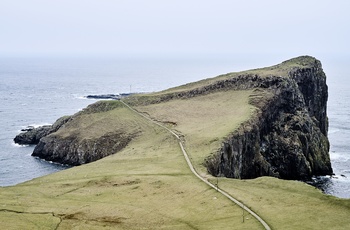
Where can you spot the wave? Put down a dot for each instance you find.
(77, 96)
(19, 146)
(23, 128)
(56, 164)
(340, 178)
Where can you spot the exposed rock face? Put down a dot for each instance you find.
(288, 136)
(74, 151)
(82, 140)
(32, 135)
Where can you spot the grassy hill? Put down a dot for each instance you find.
(148, 185)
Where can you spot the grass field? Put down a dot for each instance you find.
(282, 204)
(148, 184)
(290, 204)
(145, 186)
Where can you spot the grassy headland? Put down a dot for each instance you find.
(147, 185)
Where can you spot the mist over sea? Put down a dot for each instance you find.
(37, 91)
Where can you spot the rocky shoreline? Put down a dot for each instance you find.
(32, 135)
(108, 96)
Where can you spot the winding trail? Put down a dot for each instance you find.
(189, 163)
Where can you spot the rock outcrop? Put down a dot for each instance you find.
(287, 138)
(74, 151)
(32, 136)
(82, 140)
(108, 96)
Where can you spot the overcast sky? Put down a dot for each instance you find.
(173, 27)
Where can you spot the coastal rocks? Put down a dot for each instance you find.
(32, 136)
(75, 151)
(287, 138)
(104, 96)
(89, 135)
(108, 96)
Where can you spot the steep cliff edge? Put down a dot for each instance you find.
(33, 135)
(287, 137)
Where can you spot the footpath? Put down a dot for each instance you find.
(190, 165)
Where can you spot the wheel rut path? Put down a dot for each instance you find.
(190, 165)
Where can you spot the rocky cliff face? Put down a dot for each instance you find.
(75, 151)
(86, 137)
(287, 138)
(33, 135)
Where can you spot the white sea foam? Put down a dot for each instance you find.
(339, 156)
(341, 178)
(18, 146)
(77, 96)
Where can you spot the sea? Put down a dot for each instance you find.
(36, 91)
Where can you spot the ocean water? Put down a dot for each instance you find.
(37, 91)
(338, 81)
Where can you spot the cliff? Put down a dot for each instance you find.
(285, 137)
(87, 136)
(32, 136)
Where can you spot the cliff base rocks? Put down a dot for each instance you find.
(32, 135)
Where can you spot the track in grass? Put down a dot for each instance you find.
(190, 165)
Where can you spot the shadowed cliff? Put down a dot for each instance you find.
(287, 137)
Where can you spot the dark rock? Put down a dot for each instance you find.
(109, 96)
(104, 96)
(32, 136)
(69, 144)
(74, 151)
(27, 129)
(287, 138)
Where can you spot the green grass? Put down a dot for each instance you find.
(145, 186)
(290, 204)
(148, 185)
(204, 121)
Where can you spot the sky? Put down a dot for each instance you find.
(173, 27)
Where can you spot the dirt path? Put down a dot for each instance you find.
(189, 163)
